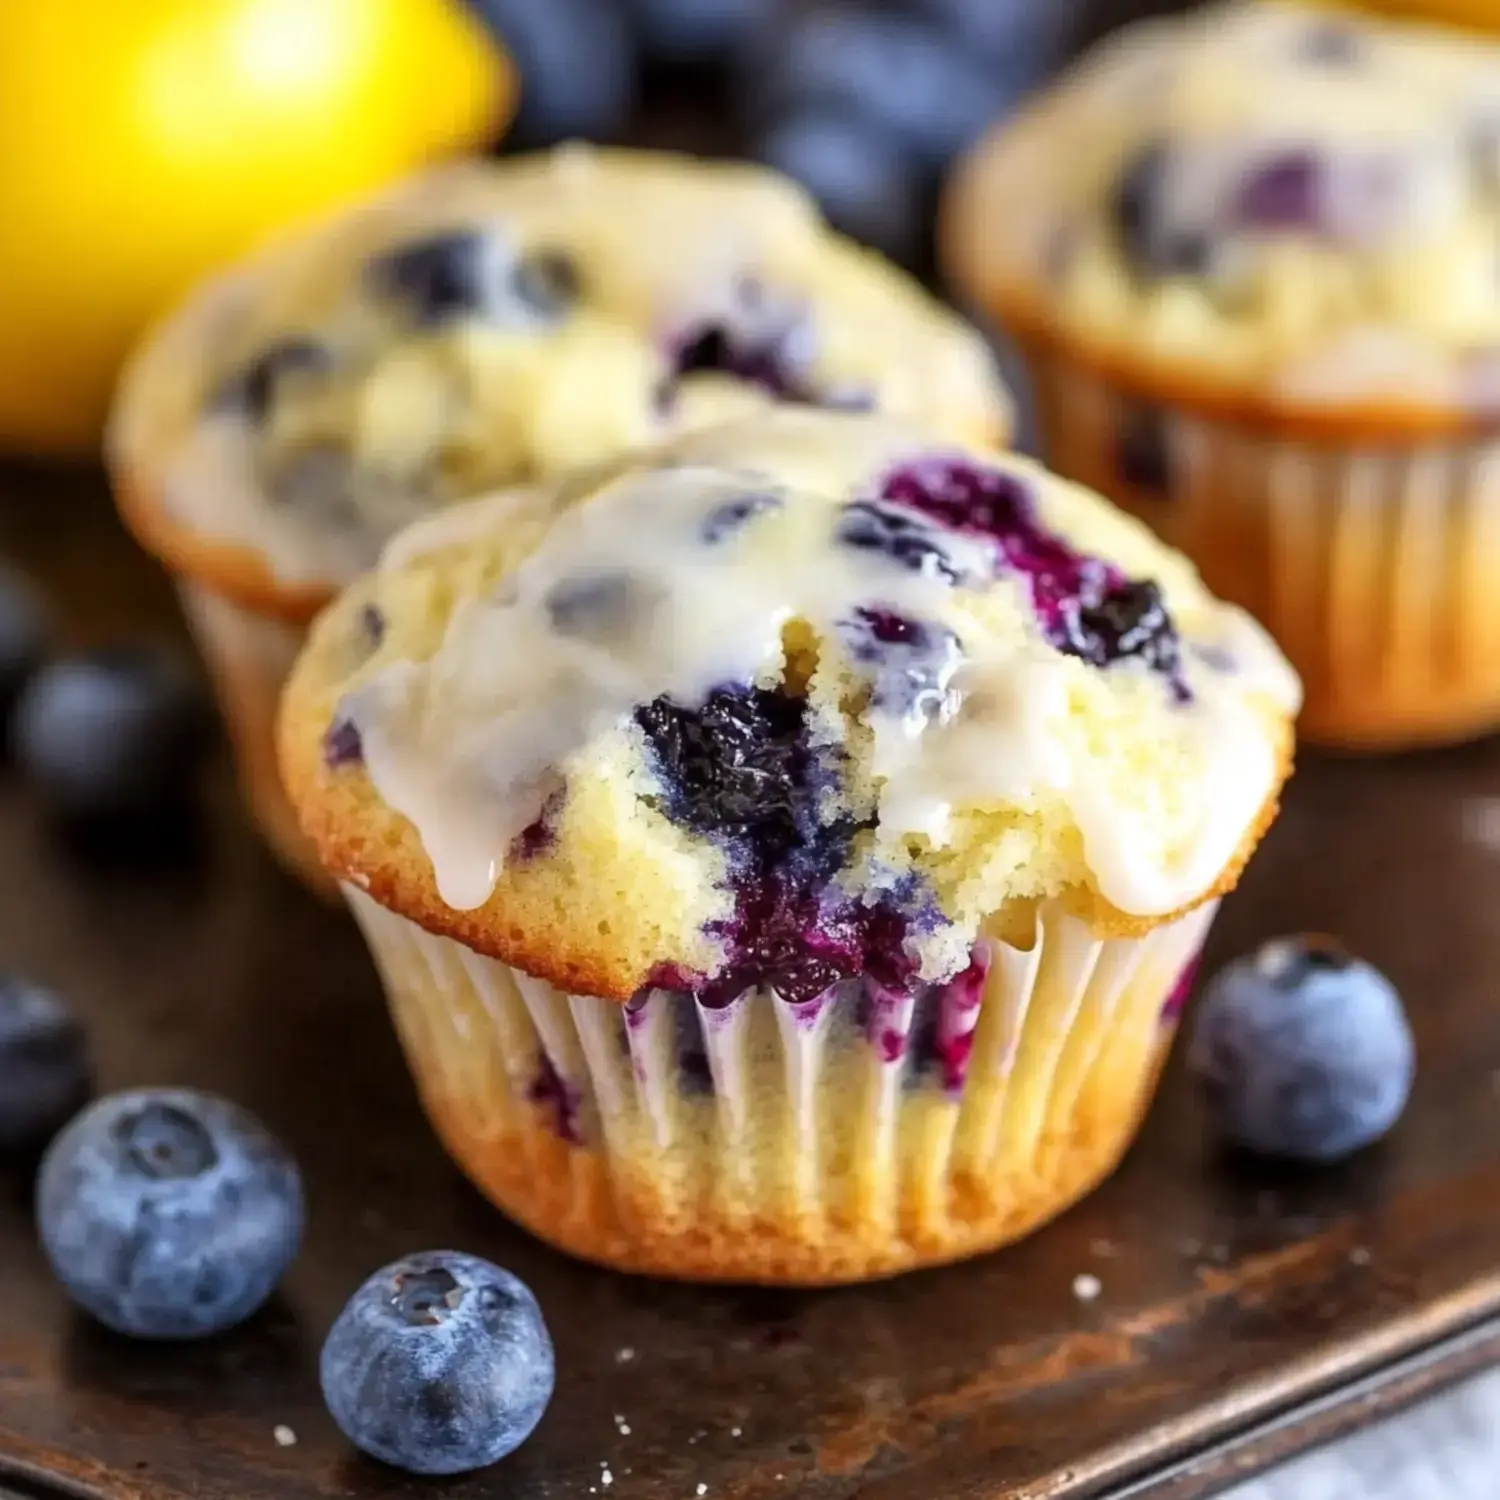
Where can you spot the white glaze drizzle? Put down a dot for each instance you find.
(469, 744)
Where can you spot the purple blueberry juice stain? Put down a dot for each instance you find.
(1086, 607)
(958, 1007)
(942, 1032)
(1284, 192)
(1178, 999)
(552, 1093)
(342, 745)
(888, 1019)
(539, 835)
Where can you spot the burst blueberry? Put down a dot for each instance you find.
(168, 1214)
(1304, 1051)
(895, 532)
(44, 1063)
(737, 767)
(439, 1364)
(1085, 606)
(912, 664)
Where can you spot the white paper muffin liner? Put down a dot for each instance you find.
(1376, 567)
(249, 657)
(841, 1138)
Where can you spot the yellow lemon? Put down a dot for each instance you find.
(143, 142)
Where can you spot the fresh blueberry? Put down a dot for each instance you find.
(252, 391)
(25, 633)
(893, 68)
(681, 33)
(576, 59)
(168, 1214)
(111, 733)
(864, 180)
(1304, 1052)
(44, 1064)
(440, 1363)
(1019, 40)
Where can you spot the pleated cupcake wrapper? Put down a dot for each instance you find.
(858, 1128)
(249, 657)
(1376, 568)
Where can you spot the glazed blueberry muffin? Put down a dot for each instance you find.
(485, 325)
(1255, 257)
(785, 849)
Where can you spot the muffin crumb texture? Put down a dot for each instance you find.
(1271, 199)
(803, 698)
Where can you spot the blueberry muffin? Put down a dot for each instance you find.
(1254, 255)
(785, 849)
(485, 325)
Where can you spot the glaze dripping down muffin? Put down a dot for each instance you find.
(815, 716)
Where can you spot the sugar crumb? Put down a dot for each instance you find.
(736, 1432)
(624, 1356)
(702, 1489)
(284, 1435)
(1086, 1287)
(1359, 1256)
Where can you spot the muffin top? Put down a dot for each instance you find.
(1292, 207)
(807, 694)
(487, 324)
